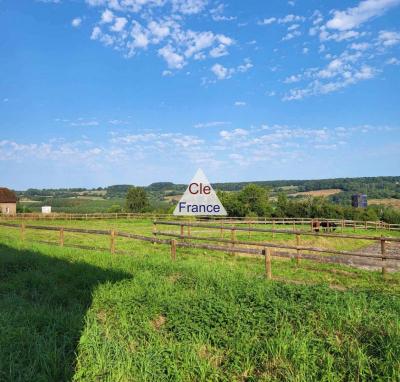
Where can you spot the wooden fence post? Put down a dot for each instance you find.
(249, 229)
(22, 232)
(233, 239)
(112, 242)
(182, 232)
(273, 228)
(154, 231)
(297, 250)
(188, 229)
(383, 254)
(354, 226)
(173, 250)
(61, 237)
(342, 226)
(267, 256)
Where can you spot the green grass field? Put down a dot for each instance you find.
(68, 314)
(145, 227)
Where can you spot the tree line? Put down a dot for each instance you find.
(253, 200)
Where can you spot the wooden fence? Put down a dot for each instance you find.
(232, 246)
(340, 223)
(232, 242)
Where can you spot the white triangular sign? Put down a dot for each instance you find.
(199, 198)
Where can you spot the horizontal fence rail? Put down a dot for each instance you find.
(341, 223)
(265, 249)
(269, 230)
(274, 245)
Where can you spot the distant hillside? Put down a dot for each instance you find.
(382, 186)
(374, 187)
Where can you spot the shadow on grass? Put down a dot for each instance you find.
(43, 301)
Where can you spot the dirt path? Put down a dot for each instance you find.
(392, 249)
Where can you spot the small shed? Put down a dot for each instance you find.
(8, 201)
(46, 210)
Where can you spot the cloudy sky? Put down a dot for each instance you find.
(101, 92)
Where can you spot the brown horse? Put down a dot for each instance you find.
(326, 226)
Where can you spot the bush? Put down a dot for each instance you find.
(115, 208)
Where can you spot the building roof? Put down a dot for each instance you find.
(7, 196)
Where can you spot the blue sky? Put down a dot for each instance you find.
(101, 92)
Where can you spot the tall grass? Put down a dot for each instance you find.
(87, 316)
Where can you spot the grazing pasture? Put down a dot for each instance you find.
(386, 202)
(71, 314)
(316, 193)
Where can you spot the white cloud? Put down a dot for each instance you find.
(354, 17)
(107, 16)
(393, 61)
(240, 103)
(159, 30)
(360, 46)
(268, 21)
(326, 147)
(224, 73)
(293, 27)
(283, 20)
(389, 38)
(76, 22)
(210, 124)
(291, 35)
(83, 123)
(317, 17)
(228, 135)
(173, 59)
(219, 51)
(245, 67)
(338, 75)
(140, 38)
(270, 144)
(292, 79)
(343, 70)
(217, 14)
(117, 122)
(291, 19)
(160, 24)
(221, 72)
(96, 33)
(119, 24)
(326, 35)
(189, 6)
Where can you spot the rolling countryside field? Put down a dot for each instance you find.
(199, 191)
(73, 314)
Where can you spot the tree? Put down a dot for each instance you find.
(281, 205)
(136, 200)
(254, 200)
(231, 203)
